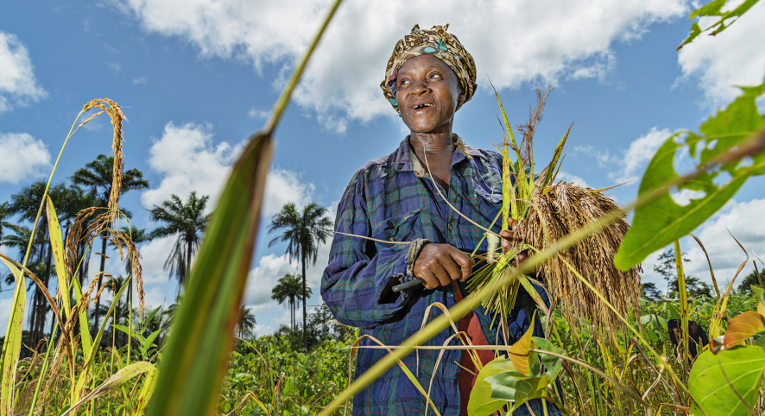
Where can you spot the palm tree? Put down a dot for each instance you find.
(303, 234)
(246, 322)
(287, 290)
(98, 175)
(187, 222)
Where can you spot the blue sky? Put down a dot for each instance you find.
(196, 78)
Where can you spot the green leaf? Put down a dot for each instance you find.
(513, 386)
(117, 379)
(12, 340)
(551, 364)
(714, 8)
(481, 402)
(714, 377)
(662, 221)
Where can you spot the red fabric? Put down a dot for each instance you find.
(472, 327)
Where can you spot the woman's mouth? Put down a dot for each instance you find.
(421, 106)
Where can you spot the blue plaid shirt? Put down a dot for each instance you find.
(388, 201)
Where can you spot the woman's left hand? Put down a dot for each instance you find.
(507, 243)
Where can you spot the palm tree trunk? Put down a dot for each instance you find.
(100, 278)
(305, 319)
(188, 261)
(41, 317)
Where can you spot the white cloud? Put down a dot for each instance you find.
(724, 253)
(639, 154)
(734, 57)
(30, 156)
(141, 80)
(153, 256)
(17, 78)
(258, 113)
(552, 40)
(188, 160)
(631, 162)
(567, 177)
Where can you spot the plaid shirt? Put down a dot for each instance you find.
(388, 201)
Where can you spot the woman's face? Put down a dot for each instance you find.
(427, 92)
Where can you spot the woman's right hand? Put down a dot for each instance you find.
(439, 264)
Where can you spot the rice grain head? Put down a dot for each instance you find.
(560, 210)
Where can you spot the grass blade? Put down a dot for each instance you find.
(12, 344)
(206, 318)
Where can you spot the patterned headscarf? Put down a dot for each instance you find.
(438, 43)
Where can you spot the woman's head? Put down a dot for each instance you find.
(437, 43)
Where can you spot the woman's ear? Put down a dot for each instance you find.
(461, 98)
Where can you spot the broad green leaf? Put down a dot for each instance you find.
(662, 221)
(117, 379)
(57, 248)
(742, 327)
(511, 386)
(713, 379)
(12, 342)
(551, 364)
(519, 352)
(481, 403)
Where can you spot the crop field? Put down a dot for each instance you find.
(611, 346)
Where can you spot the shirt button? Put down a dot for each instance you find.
(392, 239)
(449, 226)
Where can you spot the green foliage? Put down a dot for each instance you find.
(727, 383)
(661, 221)
(714, 8)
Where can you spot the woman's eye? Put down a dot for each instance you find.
(435, 75)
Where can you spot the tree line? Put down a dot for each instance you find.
(303, 230)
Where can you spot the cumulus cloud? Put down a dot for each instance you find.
(30, 159)
(640, 152)
(140, 80)
(567, 177)
(724, 253)
(628, 164)
(188, 160)
(271, 268)
(735, 57)
(17, 79)
(546, 41)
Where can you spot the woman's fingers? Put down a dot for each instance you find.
(439, 264)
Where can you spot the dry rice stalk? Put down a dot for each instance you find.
(115, 114)
(561, 209)
(104, 285)
(119, 238)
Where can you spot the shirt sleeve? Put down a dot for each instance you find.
(357, 282)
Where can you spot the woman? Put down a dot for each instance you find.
(393, 199)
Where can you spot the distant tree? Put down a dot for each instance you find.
(246, 322)
(667, 267)
(5, 213)
(288, 290)
(185, 221)
(303, 232)
(650, 291)
(693, 286)
(751, 279)
(98, 175)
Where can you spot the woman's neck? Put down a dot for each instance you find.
(435, 151)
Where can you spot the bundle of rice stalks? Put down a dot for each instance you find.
(546, 212)
(560, 210)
